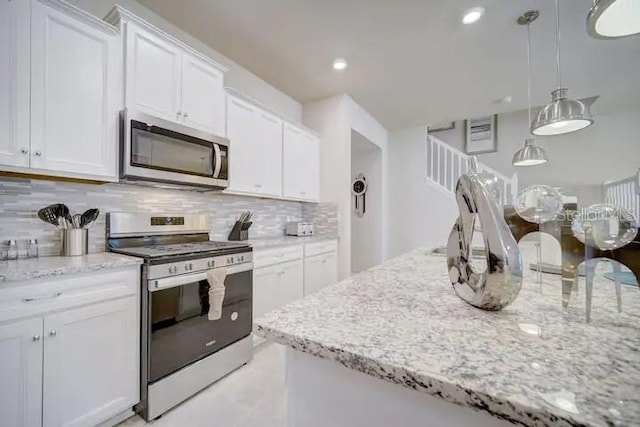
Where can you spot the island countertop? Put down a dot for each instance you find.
(533, 363)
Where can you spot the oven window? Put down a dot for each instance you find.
(160, 149)
(181, 332)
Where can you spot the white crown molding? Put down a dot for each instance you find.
(81, 15)
(119, 15)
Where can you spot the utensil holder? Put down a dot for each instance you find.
(240, 231)
(75, 241)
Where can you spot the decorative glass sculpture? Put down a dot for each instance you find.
(539, 204)
(605, 226)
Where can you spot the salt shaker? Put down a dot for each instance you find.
(12, 249)
(32, 248)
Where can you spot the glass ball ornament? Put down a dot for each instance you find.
(605, 226)
(539, 203)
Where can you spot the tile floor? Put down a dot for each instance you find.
(252, 396)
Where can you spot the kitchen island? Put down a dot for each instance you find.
(395, 345)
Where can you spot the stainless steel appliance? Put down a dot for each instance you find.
(154, 150)
(182, 351)
(298, 228)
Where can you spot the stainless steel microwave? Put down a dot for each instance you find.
(157, 151)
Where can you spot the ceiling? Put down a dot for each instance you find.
(412, 62)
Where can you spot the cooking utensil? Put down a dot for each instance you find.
(49, 214)
(88, 217)
(76, 220)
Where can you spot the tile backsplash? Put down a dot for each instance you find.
(20, 199)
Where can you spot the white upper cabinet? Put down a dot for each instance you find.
(14, 83)
(256, 149)
(168, 80)
(203, 95)
(241, 131)
(301, 164)
(60, 83)
(74, 85)
(152, 74)
(269, 153)
(21, 373)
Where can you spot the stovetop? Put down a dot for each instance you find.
(177, 249)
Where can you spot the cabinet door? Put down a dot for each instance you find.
(264, 291)
(314, 275)
(268, 153)
(301, 164)
(91, 363)
(21, 373)
(74, 80)
(290, 283)
(14, 83)
(241, 131)
(330, 268)
(203, 95)
(293, 164)
(311, 177)
(153, 68)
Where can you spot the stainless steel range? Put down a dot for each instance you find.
(182, 350)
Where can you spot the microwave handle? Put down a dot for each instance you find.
(184, 279)
(218, 160)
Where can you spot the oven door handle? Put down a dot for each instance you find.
(184, 279)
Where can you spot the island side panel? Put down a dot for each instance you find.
(322, 393)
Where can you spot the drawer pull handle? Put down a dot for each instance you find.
(56, 295)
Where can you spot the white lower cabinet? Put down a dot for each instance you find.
(320, 265)
(75, 360)
(278, 279)
(21, 373)
(276, 286)
(88, 369)
(283, 275)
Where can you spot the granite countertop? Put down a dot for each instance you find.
(44, 267)
(532, 363)
(274, 242)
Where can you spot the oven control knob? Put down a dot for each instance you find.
(210, 263)
(173, 269)
(188, 267)
(230, 260)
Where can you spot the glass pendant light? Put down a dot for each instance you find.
(531, 154)
(611, 19)
(562, 115)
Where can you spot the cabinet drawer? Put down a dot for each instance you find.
(47, 295)
(276, 256)
(312, 249)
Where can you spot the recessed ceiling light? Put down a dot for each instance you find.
(339, 64)
(472, 15)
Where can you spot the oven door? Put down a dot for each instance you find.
(180, 331)
(158, 150)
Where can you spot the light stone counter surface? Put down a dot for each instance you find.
(533, 363)
(46, 267)
(275, 242)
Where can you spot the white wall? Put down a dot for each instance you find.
(367, 230)
(237, 77)
(419, 214)
(334, 118)
(579, 162)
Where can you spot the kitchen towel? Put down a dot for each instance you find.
(216, 292)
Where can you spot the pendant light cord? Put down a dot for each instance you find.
(529, 72)
(558, 43)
